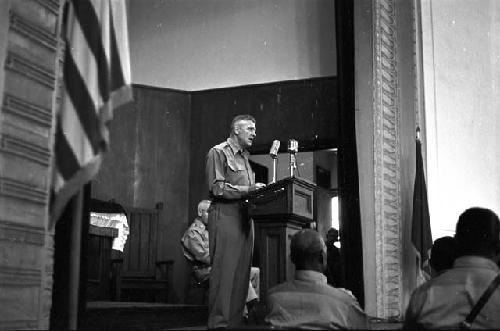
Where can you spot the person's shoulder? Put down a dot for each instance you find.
(422, 291)
(223, 145)
(340, 294)
(219, 149)
(279, 288)
(197, 227)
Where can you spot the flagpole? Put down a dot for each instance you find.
(74, 268)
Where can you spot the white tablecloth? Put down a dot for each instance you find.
(113, 220)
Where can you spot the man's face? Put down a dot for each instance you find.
(245, 132)
(204, 215)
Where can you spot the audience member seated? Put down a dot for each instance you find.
(445, 301)
(308, 302)
(334, 274)
(443, 255)
(195, 246)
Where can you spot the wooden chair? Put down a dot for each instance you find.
(99, 262)
(137, 274)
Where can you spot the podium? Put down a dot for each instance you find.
(279, 211)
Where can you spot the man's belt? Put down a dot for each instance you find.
(227, 201)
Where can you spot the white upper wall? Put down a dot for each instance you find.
(201, 44)
(461, 40)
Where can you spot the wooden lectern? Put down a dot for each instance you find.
(279, 211)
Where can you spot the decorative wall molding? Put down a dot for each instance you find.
(48, 279)
(13, 277)
(19, 190)
(26, 271)
(16, 232)
(19, 325)
(27, 150)
(26, 110)
(388, 231)
(31, 70)
(33, 32)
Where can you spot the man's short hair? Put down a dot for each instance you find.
(477, 232)
(443, 253)
(203, 205)
(238, 118)
(306, 245)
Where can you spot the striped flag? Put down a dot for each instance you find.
(421, 236)
(96, 81)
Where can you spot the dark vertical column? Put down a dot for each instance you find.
(350, 220)
(59, 314)
(84, 261)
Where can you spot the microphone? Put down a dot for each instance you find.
(274, 149)
(293, 146)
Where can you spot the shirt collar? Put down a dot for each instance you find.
(235, 147)
(310, 276)
(474, 261)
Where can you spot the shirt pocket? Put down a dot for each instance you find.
(235, 166)
(236, 172)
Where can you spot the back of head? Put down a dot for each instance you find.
(443, 253)
(308, 250)
(477, 232)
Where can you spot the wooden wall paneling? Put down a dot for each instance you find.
(305, 110)
(148, 162)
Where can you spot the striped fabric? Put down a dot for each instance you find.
(96, 82)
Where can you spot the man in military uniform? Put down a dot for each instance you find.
(230, 178)
(195, 248)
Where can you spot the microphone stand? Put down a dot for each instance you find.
(293, 164)
(293, 147)
(275, 161)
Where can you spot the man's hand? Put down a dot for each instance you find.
(256, 186)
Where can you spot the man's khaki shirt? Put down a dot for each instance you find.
(308, 302)
(444, 301)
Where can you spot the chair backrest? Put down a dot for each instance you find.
(139, 254)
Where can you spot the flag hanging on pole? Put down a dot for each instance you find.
(421, 236)
(96, 78)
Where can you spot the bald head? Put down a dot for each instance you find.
(308, 250)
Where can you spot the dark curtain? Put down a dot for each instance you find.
(350, 219)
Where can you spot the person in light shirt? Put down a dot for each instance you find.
(308, 302)
(445, 301)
